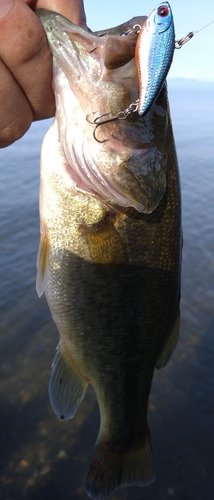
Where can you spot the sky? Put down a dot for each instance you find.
(195, 59)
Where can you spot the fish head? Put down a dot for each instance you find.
(121, 161)
(161, 19)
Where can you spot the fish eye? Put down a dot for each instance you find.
(163, 11)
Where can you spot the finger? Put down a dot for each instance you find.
(14, 106)
(24, 51)
(26, 89)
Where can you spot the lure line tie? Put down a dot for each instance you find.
(185, 39)
(179, 43)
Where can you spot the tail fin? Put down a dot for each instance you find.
(111, 468)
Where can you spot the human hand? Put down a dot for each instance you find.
(26, 64)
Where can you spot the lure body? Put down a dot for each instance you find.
(154, 54)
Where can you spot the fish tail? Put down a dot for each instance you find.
(111, 468)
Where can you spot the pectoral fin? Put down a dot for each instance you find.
(42, 262)
(170, 345)
(66, 387)
(105, 243)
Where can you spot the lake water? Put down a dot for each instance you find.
(43, 459)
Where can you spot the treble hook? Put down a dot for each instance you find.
(120, 116)
(97, 122)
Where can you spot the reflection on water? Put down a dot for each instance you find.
(44, 459)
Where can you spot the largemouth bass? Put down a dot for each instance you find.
(110, 250)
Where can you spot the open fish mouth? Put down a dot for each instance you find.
(125, 163)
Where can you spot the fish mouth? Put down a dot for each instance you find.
(122, 161)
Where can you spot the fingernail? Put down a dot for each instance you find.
(5, 7)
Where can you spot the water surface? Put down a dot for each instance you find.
(44, 459)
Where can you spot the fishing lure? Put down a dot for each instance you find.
(154, 53)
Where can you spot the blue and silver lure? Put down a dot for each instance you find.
(154, 53)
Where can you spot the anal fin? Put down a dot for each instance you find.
(66, 387)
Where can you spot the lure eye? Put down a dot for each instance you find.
(163, 11)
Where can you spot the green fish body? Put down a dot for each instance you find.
(110, 252)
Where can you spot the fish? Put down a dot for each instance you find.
(154, 54)
(109, 258)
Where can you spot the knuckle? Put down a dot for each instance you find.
(13, 132)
